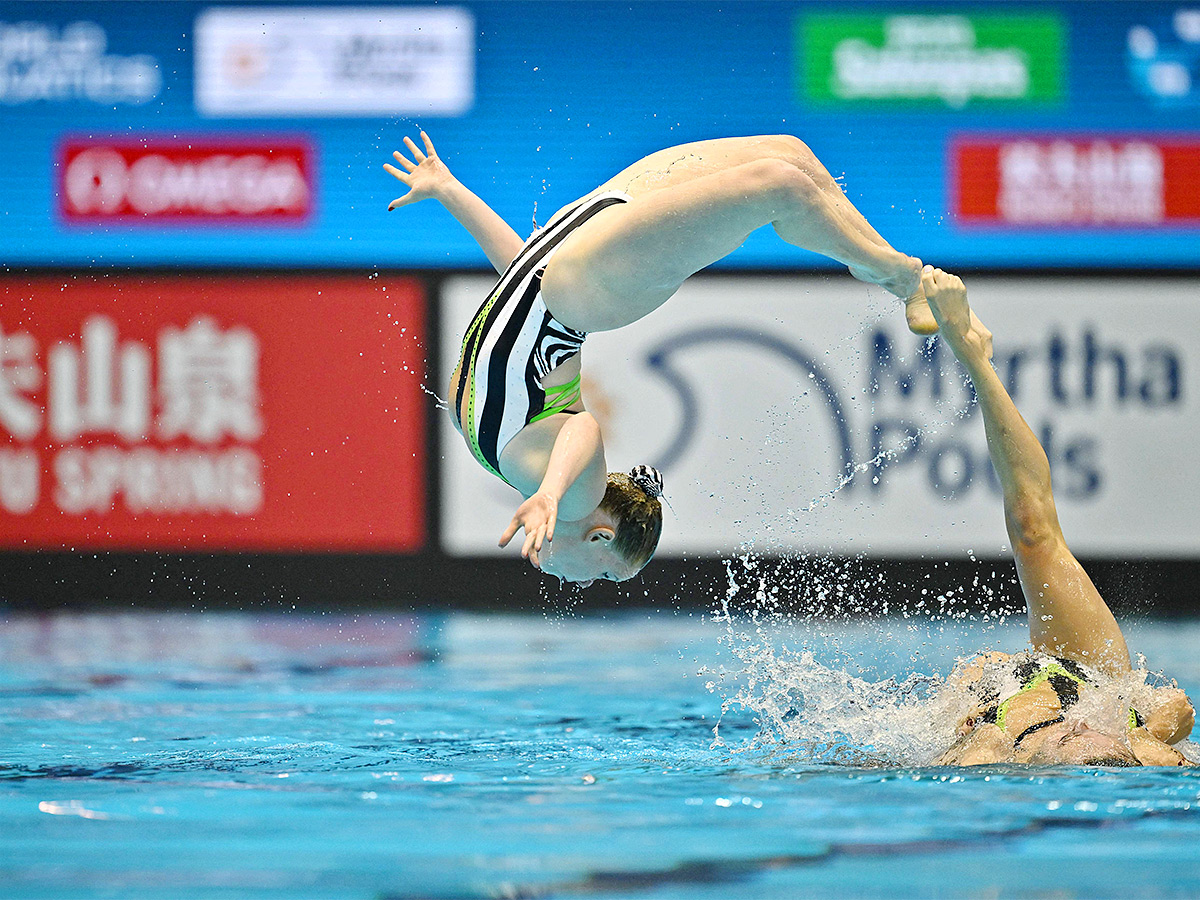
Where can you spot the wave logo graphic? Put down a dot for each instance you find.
(663, 359)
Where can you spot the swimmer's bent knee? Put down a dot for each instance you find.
(793, 150)
(779, 183)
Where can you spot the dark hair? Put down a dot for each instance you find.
(638, 515)
(1113, 760)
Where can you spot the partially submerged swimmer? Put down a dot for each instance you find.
(601, 263)
(1025, 703)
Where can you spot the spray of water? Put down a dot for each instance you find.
(789, 672)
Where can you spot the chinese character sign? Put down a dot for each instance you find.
(260, 413)
(1102, 182)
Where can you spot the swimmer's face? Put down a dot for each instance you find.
(582, 560)
(1073, 744)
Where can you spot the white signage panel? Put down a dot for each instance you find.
(799, 414)
(335, 61)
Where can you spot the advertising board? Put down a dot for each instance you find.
(334, 61)
(1074, 181)
(948, 58)
(71, 62)
(164, 180)
(533, 103)
(799, 415)
(211, 413)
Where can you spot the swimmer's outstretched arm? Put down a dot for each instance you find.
(1067, 616)
(429, 177)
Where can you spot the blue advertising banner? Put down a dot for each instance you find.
(182, 133)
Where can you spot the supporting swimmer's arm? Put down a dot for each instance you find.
(571, 487)
(1067, 616)
(429, 177)
(984, 745)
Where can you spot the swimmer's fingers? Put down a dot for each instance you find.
(428, 144)
(531, 539)
(395, 173)
(416, 151)
(513, 527)
(947, 296)
(404, 161)
(404, 178)
(408, 198)
(927, 281)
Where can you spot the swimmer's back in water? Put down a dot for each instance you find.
(1026, 704)
(602, 263)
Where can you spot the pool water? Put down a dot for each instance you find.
(459, 756)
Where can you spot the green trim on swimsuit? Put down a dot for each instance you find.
(555, 402)
(1040, 677)
(469, 374)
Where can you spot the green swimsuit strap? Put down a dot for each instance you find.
(559, 398)
(1039, 677)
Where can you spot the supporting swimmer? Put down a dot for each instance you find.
(1075, 638)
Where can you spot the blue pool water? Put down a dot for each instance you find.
(458, 756)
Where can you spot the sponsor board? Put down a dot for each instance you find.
(206, 413)
(800, 415)
(43, 62)
(870, 58)
(1094, 182)
(334, 61)
(177, 181)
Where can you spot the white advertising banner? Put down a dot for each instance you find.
(335, 61)
(799, 414)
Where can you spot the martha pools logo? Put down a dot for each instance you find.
(949, 60)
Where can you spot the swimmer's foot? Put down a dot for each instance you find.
(919, 315)
(905, 282)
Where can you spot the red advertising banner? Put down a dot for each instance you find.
(212, 413)
(168, 180)
(1077, 182)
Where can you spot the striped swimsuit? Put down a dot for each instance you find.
(513, 342)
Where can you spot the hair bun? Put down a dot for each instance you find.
(649, 479)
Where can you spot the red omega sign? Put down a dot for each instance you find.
(173, 181)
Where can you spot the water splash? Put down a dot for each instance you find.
(818, 711)
(788, 672)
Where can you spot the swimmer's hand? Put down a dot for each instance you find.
(1150, 751)
(957, 322)
(1173, 718)
(537, 516)
(426, 177)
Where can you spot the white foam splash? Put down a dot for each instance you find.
(812, 710)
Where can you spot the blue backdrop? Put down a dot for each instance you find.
(565, 94)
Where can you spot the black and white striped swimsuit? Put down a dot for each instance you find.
(513, 342)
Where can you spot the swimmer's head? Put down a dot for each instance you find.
(1076, 744)
(615, 541)
(632, 500)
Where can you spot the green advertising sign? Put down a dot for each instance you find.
(952, 60)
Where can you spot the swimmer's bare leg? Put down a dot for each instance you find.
(916, 309)
(628, 259)
(676, 165)
(1067, 615)
(685, 162)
